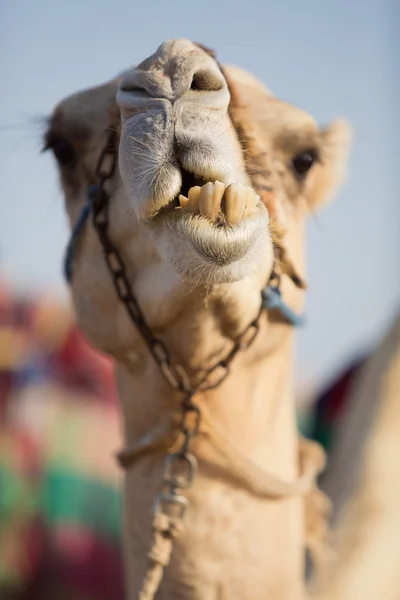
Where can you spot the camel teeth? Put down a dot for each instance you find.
(251, 201)
(219, 189)
(193, 199)
(235, 202)
(182, 201)
(210, 199)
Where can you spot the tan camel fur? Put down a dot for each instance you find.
(366, 489)
(197, 267)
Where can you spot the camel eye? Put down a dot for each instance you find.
(303, 162)
(63, 151)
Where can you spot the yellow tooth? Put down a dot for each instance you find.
(210, 199)
(183, 201)
(235, 202)
(193, 199)
(219, 189)
(251, 201)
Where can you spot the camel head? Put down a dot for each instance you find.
(212, 168)
(188, 182)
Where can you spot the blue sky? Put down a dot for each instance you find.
(331, 58)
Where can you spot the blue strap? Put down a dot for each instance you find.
(272, 299)
(76, 232)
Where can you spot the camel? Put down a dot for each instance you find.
(206, 208)
(365, 491)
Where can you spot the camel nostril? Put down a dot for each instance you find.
(206, 81)
(134, 89)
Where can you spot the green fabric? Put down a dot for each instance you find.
(67, 496)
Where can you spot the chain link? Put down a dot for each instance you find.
(180, 467)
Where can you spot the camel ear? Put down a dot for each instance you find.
(327, 175)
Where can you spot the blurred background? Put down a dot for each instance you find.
(56, 394)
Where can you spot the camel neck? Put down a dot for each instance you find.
(254, 408)
(254, 405)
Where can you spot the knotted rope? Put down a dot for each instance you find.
(165, 530)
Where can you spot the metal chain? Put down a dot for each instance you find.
(179, 468)
(174, 373)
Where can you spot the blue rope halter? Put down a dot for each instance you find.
(77, 231)
(271, 297)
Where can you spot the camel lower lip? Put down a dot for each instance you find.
(220, 244)
(219, 231)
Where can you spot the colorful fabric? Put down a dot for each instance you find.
(59, 485)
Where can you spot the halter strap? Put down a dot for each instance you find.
(252, 477)
(77, 231)
(271, 299)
